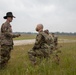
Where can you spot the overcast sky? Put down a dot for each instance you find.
(55, 15)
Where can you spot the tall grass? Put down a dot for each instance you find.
(19, 63)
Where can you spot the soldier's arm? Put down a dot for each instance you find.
(11, 35)
(16, 35)
(6, 31)
(38, 42)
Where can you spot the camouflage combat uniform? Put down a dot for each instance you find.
(51, 42)
(6, 42)
(55, 51)
(41, 47)
(55, 41)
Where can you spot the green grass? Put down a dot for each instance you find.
(25, 37)
(19, 63)
(67, 37)
(33, 36)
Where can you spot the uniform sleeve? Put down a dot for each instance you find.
(15, 35)
(38, 41)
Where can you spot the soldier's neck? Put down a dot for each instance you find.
(7, 21)
(40, 30)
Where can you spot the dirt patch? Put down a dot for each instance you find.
(32, 41)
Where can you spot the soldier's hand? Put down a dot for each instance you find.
(18, 35)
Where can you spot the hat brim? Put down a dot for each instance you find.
(5, 17)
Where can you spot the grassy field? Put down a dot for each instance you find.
(19, 63)
(25, 37)
(67, 37)
(33, 36)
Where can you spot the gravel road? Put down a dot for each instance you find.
(32, 41)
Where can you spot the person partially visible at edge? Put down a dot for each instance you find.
(55, 40)
(41, 48)
(51, 42)
(6, 39)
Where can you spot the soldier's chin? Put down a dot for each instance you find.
(37, 29)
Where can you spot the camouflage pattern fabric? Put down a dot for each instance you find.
(51, 42)
(6, 42)
(6, 34)
(41, 47)
(5, 54)
(55, 50)
(55, 41)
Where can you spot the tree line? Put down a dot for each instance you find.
(57, 33)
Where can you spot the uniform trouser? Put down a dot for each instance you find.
(40, 53)
(5, 53)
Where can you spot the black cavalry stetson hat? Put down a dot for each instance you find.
(8, 14)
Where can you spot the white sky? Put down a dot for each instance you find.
(55, 15)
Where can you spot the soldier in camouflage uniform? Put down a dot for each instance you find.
(6, 39)
(56, 50)
(53, 44)
(56, 47)
(41, 47)
(55, 40)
